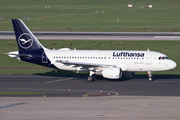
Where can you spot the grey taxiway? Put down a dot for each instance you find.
(98, 35)
(72, 97)
(78, 86)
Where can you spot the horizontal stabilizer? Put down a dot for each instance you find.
(15, 54)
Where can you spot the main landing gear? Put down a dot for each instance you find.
(149, 75)
(92, 76)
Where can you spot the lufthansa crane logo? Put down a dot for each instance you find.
(25, 41)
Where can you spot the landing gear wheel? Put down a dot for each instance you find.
(150, 79)
(90, 78)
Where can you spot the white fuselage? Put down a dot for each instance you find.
(124, 59)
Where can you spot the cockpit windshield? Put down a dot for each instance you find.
(163, 58)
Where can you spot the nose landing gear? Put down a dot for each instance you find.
(150, 75)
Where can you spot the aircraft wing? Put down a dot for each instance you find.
(93, 65)
(83, 64)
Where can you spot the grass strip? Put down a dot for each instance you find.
(21, 93)
(92, 15)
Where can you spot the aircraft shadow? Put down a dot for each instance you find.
(62, 73)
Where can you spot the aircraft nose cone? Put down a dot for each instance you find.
(173, 65)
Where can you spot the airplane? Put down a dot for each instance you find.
(111, 64)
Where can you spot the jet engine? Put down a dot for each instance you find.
(112, 73)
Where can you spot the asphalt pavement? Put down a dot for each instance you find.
(73, 98)
(98, 35)
(78, 86)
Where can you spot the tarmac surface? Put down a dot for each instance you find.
(78, 86)
(98, 35)
(73, 98)
(90, 108)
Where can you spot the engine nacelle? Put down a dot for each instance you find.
(112, 73)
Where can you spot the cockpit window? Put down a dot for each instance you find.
(163, 58)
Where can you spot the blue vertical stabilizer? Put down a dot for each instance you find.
(25, 39)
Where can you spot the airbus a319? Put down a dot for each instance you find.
(111, 64)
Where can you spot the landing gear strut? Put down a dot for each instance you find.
(90, 78)
(149, 75)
